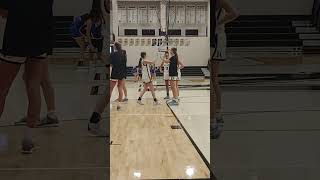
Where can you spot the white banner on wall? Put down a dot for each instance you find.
(132, 14)
(201, 15)
(190, 14)
(181, 15)
(122, 14)
(154, 14)
(172, 15)
(143, 14)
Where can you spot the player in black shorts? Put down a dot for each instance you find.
(28, 40)
(118, 66)
(124, 88)
(174, 75)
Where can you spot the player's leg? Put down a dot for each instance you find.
(33, 73)
(121, 90)
(82, 45)
(8, 72)
(173, 84)
(152, 89)
(33, 79)
(178, 90)
(167, 89)
(94, 122)
(125, 91)
(49, 95)
(145, 89)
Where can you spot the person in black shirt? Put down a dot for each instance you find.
(28, 39)
(118, 70)
(173, 74)
(125, 92)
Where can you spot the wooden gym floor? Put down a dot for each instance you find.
(145, 146)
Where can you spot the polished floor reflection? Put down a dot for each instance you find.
(146, 147)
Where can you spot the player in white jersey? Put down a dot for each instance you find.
(145, 66)
(165, 70)
(225, 13)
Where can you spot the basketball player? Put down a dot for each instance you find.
(124, 88)
(225, 13)
(29, 46)
(81, 30)
(147, 79)
(165, 71)
(118, 66)
(100, 27)
(94, 122)
(136, 71)
(173, 75)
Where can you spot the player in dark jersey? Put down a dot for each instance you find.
(174, 64)
(28, 40)
(118, 66)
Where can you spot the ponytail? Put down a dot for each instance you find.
(140, 63)
(174, 51)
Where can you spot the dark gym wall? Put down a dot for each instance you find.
(71, 7)
(274, 7)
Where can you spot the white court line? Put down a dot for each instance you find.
(52, 169)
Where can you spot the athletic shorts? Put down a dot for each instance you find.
(174, 78)
(113, 79)
(166, 76)
(219, 53)
(21, 60)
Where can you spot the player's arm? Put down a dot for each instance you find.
(162, 62)
(110, 69)
(231, 13)
(148, 62)
(161, 66)
(181, 65)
